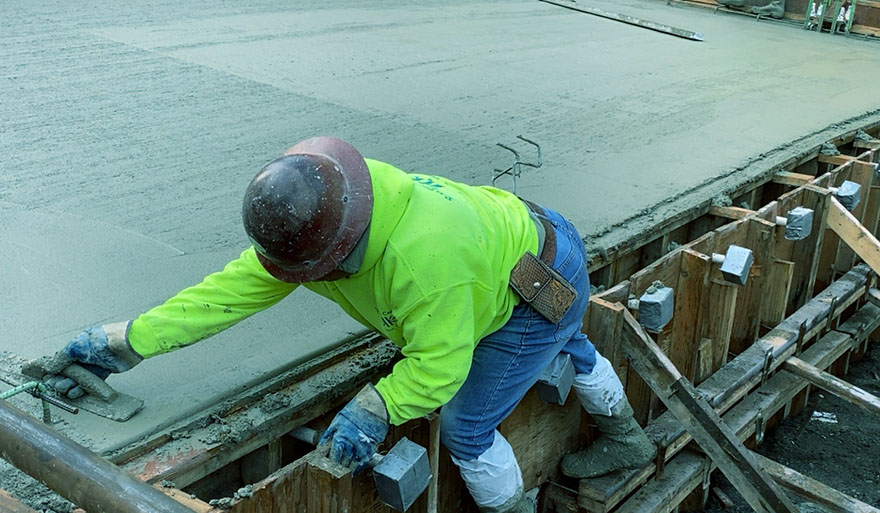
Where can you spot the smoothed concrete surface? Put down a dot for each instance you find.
(128, 131)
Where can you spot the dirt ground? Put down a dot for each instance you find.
(842, 455)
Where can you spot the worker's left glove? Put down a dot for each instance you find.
(357, 429)
(100, 349)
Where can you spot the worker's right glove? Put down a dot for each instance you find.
(100, 349)
(357, 429)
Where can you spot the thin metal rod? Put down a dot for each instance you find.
(73, 471)
(29, 387)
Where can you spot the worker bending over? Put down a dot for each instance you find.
(480, 289)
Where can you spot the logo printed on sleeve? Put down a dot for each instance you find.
(431, 184)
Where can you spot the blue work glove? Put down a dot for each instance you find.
(357, 429)
(100, 349)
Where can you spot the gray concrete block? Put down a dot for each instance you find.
(556, 380)
(403, 474)
(849, 194)
(656, 307)
(737, 263)
(799, 224)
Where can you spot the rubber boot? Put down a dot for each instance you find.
(621, 445)
(519, 503)
(775, 9)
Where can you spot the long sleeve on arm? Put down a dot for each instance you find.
(440, 340)
(221, 300)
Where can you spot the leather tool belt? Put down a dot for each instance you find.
(535, 280)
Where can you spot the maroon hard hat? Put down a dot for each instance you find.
(306, 211)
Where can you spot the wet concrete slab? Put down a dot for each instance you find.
(128, 132)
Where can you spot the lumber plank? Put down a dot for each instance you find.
(719, 321)
(778, 287)
(863, 174)
(784, 248)
(831, 244)
(198, 506)
(772, 397)
(731, 212)
(702, 422)
(9, 504)
(872, 211)
(604, 330)
(666, 270)
(703, 366)
(833, 384)
(807, 251)
(684, 473)
(867, 145)
(184, 461)
(729, 385)
(541, 435)
(792, 179)
(690, 304)
(434, 458)
(746, 322)
(811, 489)
(836, 160)
(848, 228)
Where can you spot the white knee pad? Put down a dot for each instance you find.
(599, 390)
(494, 477)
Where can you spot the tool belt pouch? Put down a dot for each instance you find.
(542, 287)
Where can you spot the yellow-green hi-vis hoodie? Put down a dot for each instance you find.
(434, 280)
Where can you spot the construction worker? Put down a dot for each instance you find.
(431, 264)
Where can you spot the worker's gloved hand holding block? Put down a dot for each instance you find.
(735, 264)
(403, 474)
(798, 224)
(400, 476)
(357, 429)
(102, 350)
(848, 194)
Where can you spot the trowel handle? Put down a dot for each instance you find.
(90, 382)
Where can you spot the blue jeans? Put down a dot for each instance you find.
(508, 362)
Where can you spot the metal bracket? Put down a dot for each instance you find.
(516, 169)
(768, 361)
(660, 461)
(707, 474)
(830, 318)
(759, 428)
(802, 334)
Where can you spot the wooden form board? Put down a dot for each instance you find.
(316, 484)
(833, 384)
(185, 460)
(702, 422)
(9, 504)
(726, 386)
(812, 490)
(764, 403)
(712, 317)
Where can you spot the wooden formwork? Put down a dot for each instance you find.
(803, 298)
